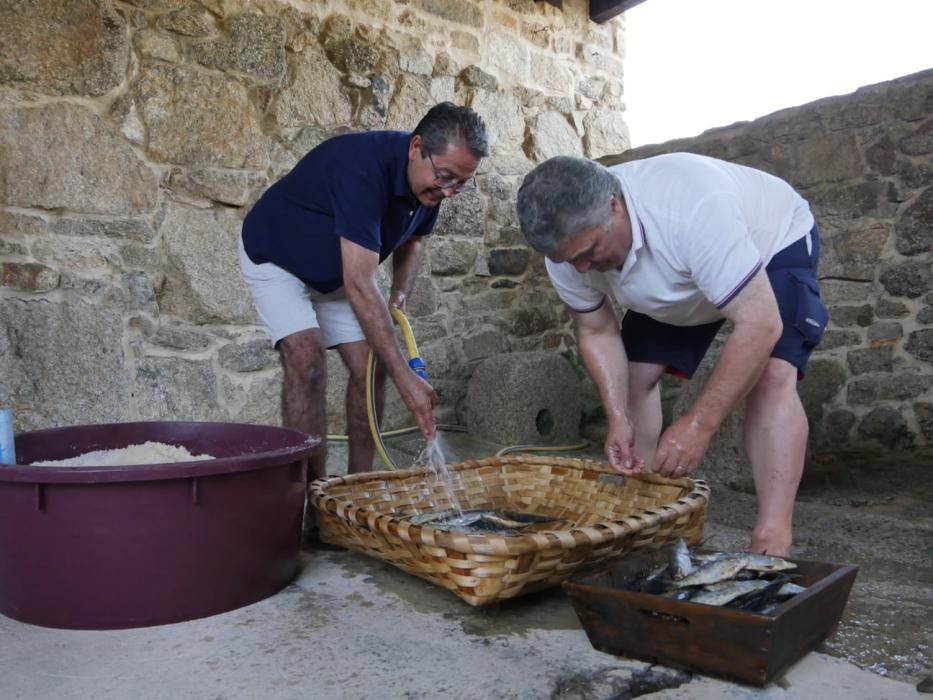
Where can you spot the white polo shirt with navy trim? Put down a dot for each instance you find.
(701, 229)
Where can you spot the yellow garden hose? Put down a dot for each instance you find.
(412, 348)
(544, 448)
(417, 366)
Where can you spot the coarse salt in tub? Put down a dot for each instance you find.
(145, 453)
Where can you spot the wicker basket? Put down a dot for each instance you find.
(605, 515)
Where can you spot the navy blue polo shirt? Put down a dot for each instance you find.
(353, 186)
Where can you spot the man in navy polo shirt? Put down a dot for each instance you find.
(684, 242)
(311, 247)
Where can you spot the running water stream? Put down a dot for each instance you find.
(451, 516)
(433, 457)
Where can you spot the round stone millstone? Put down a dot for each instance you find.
(524, 398)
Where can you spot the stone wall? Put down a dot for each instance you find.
(134, 136)
(865, 163)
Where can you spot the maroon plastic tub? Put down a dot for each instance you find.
(132, 546)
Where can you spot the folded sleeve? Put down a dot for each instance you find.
(574, 288)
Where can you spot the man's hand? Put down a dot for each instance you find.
(681, 447)
(757, 327)
(421, 400)
(620, 448)
(604, 357)
(398, 299)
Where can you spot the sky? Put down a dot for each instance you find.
(691, 65)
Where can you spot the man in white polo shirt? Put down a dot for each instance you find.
(684, 242)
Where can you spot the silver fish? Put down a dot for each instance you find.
(756, 562)
(765, 562)
(680, 593)
(648, 581)
(444, 517)
(727, 591)
(790, 589)
(756, 601)
(713, 572)
(784, 593)
(681, 565)
(499, 520)
(503, 522)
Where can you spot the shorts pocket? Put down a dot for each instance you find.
(812, 316)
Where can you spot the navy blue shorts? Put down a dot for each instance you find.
(792, 273)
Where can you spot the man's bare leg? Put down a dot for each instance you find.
(775, 433)
(644, 407)
(304, 386)
(360, 441)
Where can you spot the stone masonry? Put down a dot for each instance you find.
(135, 134)
(865, 163)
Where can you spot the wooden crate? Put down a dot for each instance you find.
(726, 642)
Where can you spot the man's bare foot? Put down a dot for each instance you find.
(777, 544)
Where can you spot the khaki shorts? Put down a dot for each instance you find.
(286, 305)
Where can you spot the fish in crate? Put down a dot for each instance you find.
(752, 582)
(738, 615)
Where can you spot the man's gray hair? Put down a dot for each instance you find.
(562, 197)
(447, 124)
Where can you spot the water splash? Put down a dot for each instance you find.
(434, 458)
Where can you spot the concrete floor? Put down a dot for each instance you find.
(352, 627)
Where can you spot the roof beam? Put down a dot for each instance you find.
(603, 10)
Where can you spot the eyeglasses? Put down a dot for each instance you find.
(445, 182)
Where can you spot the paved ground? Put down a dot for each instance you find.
(352, 627)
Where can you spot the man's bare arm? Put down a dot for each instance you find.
(359, 277)
(757, 327)
(404, 270)
(604, 357)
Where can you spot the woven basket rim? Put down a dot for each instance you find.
(599, 533)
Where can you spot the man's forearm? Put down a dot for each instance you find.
(359, 278)
(405, 266)
(604, 358)
(757, 327)
(373, 315)
(740, 363)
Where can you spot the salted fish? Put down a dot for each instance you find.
(785, 593)
(443, 516)
(452, 520)
(756, 562)
(727, 591)
(680, 593)
(681, 565)
(713, 572)
(789, 589)
(756, 601)
(499, 520)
